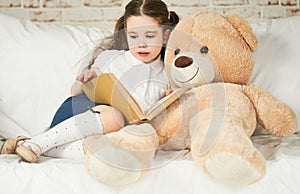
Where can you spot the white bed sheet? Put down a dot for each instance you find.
(178, 176)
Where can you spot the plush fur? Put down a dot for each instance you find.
(214, 119)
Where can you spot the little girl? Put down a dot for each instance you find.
(135, 55)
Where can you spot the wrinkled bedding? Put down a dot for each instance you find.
(53, 175)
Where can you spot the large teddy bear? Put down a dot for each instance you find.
(215, 119)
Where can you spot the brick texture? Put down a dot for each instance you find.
(102, 3)
(98, 12)
(289, 2)
(230, 3)
(45, 15)
(10, 3)
(31, 3)
(266, 2)
(62, 4)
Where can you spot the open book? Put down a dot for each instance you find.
(107, 89)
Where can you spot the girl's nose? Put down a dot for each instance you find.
(142, 44)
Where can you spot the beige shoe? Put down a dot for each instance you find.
(10, 144)
(27, 154)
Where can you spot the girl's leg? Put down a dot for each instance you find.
(72, 106)
(101, 119)
(72, 150)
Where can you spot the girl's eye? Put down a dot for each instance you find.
(150, 36)
(177, 51)
(204, 50)
(133, 36)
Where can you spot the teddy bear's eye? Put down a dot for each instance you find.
(204, 50)
(177, 51)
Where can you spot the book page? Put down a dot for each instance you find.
(166, 101)
(108, 89)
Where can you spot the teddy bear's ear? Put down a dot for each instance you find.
(243, 27)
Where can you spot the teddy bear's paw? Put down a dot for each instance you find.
(121, 158)
(232, 169)
(114, 167)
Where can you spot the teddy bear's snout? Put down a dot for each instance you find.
(183, 61)
(189, 68)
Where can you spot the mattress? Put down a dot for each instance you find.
(176, 174)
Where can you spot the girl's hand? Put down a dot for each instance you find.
(82, 78)
(168, 92)
(88, 75)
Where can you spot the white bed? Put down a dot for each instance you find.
(38, 64)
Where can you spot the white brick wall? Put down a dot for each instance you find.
(105, 12)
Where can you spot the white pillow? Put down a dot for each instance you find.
(278, 61)
(39, 62)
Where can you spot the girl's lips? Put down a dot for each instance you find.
(143, 54)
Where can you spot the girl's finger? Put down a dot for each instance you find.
(86, 76)
(168, 92)
(91, 75)
(80, 77)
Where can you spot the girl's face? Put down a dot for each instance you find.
(145, 37)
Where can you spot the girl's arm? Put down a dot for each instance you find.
(76, 88)
(82, 78)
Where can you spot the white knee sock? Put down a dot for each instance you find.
(72, 129)
(72, 150)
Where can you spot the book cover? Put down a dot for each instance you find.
(108, 89)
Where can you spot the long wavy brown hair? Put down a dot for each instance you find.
(156, 9)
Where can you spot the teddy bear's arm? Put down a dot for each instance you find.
(277, 118)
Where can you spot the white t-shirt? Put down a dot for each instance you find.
(146, 82)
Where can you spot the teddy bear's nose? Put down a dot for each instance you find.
(183, 61)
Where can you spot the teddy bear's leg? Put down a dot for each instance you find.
(229, 156)
(234, 169)
(123, 157)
